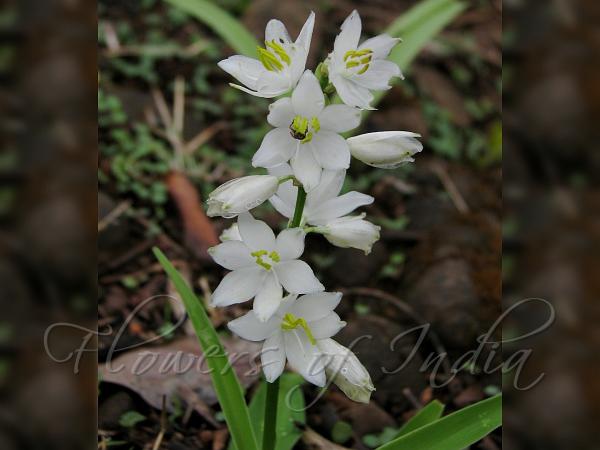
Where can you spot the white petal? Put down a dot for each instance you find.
(284, 200)
(349, 36)
(340, 206)
(302, 48)
(329, 187)
(238, 286)
(276, 31)
(232, 255)
(327, 326)
(316, 306)
(281, 207)
(277, 147)
(351, 93)
(346, 371)
(262, 93)
(290, 243)
(306, 168)
(281, 113)
(304, 357)
(339, 118)
(231, 234)
(256, 234)
(270, 82)
(378, 76)
(381, 45)
(245, 70)
(307, 98)
(250, 328)
(297, 277)
(268, 298)
(331, 150)
(305, 36)
(273, 357)
(352, 232)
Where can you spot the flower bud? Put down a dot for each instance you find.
(352, 232)
(241, 195)
(385, 149)
(345, 370)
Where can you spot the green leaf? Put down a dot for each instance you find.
(130, 419)
(430, 413)
(225, 381)
(231, 30)
(454, 432)
(289, 412)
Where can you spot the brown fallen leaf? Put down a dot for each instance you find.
(179, 370)
(199, 231)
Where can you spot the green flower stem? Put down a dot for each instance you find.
(269, 432)
(300, 201)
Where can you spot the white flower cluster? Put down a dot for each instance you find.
(306, 157)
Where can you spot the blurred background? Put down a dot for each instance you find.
(441, 258)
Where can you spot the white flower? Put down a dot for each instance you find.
(280, 63)
(241, 195)
(352, 232)
(326, 210)
(385, 149)
(231, 234)
(345, 370)
(356, 70)
(294, 333)
(307, 133)
(262, 266)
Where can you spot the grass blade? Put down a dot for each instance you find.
(417, 27)
(225, 381)
(288, 414)
(429, 414)
(454, 432)
(230, 29)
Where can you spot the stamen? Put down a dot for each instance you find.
(269, 60)
(280, 51)
(291, 322)
(363, 70)
(258, 255)
(315, 124)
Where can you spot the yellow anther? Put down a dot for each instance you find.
(279, 50)
(307, 138)
(315, 124)
(269, 60)
(363, 70)
(291, 322)
(351, 64)
(366, 60)
(258, 255)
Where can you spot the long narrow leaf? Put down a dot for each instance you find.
(429, 414)
(454, 432)
(289, 412)
(230, 29)
(225, 381)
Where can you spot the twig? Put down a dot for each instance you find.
(203, 137)
(409, 311)
(314, 440)
(453, 192)
(163, 424)
(113, 215)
